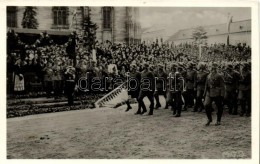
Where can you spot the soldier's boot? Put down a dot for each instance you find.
(208, 113)
(243, 108)
(166, 106)
(195, 109)
(178, 107)
(157, 106)
(128, 106)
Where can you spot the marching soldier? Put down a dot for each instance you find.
(160, 85)
(213, 89)
(200, 86)
(174, 90)
(70, 83)
(231, 83)
(133, 86)
(190, 81)
(244, 94)
(147, 89)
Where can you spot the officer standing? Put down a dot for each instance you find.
(70, 83)
(213, 89)
(200, 86)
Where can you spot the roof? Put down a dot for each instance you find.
(36, 31)
(219, 29)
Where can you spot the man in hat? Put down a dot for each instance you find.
(231, 88)
(174, 90)
(133, 79)
(201, 77)
(161, 79)
(190, 82)
(213, 88)
(147, 89)
(244, 94)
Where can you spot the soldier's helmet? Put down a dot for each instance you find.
(160, 66)
(71, 69)
(146, 65)
(201, 66)
(214, 65)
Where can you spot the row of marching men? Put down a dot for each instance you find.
(193, 86)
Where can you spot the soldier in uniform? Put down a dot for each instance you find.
(237, 75)
(57, 77)
(231, 83)
(200, 86)
(174, 90)
(147, 89)
(244, 94)
(48, 75)
(190, 81)
(70, 83)
(134, 79)
(213, 89)
(160, 85)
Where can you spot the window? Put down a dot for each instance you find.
(107, 17)
(60, 15)
(11, 16)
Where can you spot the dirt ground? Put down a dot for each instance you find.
(108, 133)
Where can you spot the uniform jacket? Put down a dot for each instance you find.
(190, 79)
(245, 81)
(162, 76)
(176, 83)
(230, 81)
(214, 85)
(201, 80)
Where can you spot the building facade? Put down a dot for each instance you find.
(115, 24)
(240, 32)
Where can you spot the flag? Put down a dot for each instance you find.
(116, 96)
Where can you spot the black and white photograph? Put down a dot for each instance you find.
(130, 82)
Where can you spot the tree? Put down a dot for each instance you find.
(199, 35)
(89, 31)
(29, 20)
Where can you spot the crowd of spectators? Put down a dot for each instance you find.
(44, 64)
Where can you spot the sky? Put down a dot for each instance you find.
(176, 18)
